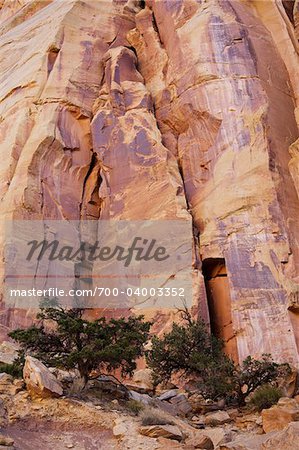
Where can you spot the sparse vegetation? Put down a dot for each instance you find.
(134, 406)
(14, 369)
(152, 416)
(254, 373)
(64, 339)
(190, 350)
(265, 396)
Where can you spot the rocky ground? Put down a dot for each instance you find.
(35, 415)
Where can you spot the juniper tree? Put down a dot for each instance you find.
(63, 338)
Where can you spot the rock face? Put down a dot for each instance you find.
(165, 110)
(279, 416)
(287, 439)
(8, 352)
(40, 382)
(167, 431)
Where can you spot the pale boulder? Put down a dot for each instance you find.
(40, 382)
(279, 416)
(166, 431)
(6, 441)
(141, 380)
(287, 439)
(200, 441)
(8, 352)
(217, 418)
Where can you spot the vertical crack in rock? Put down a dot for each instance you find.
(289, 6)
(90, 206)
(52, 56)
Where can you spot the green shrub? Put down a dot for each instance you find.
(265, 396)
(152, 416)
(191, 350)
(254, 373)
(134, 406)
(75, 343)
(14, 369)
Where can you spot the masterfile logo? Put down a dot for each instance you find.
(140, 249)
(98, 264)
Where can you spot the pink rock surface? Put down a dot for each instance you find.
(165, 110)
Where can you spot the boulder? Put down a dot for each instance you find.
(8, 352)
(6, 441)
(108, 384)
(279, 416)
(119, 430)
(217, 418)
(142, 398)
(245, 443)
(3, 414)
(288, 384)
(248, 421)
(200, 441)
(8, 385)
(169, 444)
(40, 382)
(165, 406)
(166, 431)
(218, 435)
(287, 439)
(197, 402)
(181, 404)
(141, 381)
(168, 394)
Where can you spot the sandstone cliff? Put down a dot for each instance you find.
(165, 110)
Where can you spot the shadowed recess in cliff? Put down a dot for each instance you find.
(289, 9)
(219, 303)
(52, 56)
(90, 207)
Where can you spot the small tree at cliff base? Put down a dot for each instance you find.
(254, 373)
(190, 350)
(64, 339)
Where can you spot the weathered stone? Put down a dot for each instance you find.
(3, 414)
(165, 406)
(120, 430)
(8, 385)
(8, 352)
(200, 441)
(197, 402)
(217, 418)
(248, 421)
(245, 443)
(142, 398)
(168, 394)
(40, 382)
(218, 435)
(279, 416)
(166, 431)
(181, 403)
(141, 381)
(169, 444)
(108, 384)
(6, 441)
(288, 384)
(287, 439)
